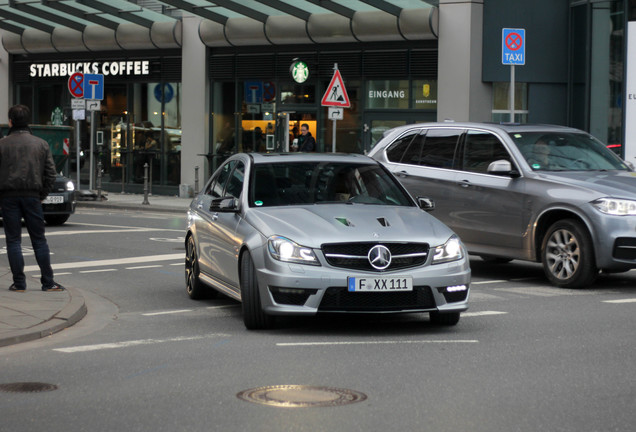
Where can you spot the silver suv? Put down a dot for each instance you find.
(548, 194)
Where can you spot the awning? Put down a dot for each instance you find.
(45, 26)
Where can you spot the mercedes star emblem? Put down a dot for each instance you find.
(379, 257)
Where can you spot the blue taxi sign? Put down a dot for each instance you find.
(513, 43)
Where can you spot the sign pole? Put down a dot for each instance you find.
(512, 93)
(91, 180)
(333, 139)
(77, 143)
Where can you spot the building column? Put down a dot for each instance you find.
(195, 107)
(5, 86)
(462, 96)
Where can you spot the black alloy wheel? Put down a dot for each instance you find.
(195, 288)
(254, 317)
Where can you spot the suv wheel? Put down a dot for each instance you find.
(567, 254)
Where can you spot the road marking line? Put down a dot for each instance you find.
(488, 282)
(222, 307)
(481, 313)
(110, 262)
(388, 342)
(124, 226)
(132, 343)
(176, 264)
(98, 270)
(632, 300)
(167, 312)
(144, 267)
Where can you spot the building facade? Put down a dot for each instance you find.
(185, 86)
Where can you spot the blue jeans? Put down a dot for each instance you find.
(14, 209)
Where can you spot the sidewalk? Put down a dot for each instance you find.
(35, 314)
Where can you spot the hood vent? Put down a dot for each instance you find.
(344, 221)
(384, 222)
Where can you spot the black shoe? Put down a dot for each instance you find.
(16, 289)
(54, 287)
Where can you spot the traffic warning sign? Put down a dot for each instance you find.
(336, 94)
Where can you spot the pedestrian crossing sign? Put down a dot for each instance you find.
(336, 94)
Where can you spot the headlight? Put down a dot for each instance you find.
(616, 207)
(449, 251)
(283, 249)
(70, 186)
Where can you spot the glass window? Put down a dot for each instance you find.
(297, 94)
(383, 94)
(425, 94)
(396, 151)
(215, 187)
(439, 148)
(235, 182)
(480, 150)
(501, 102)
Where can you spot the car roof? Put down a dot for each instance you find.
(264, 158)
(495, 127)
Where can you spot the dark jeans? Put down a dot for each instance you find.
(14, 209)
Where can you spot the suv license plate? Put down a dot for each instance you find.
(53, 199)
(380, 284)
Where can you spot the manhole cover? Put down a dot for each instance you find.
(299, 396)
(27, 387)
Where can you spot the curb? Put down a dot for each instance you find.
(137, 207)
(71, 314)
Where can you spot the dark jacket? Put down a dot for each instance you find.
(306, 143)
(26, 165)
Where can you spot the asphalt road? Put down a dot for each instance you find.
(525, 357)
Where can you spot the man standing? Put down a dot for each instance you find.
(306, 142)
(27, 175)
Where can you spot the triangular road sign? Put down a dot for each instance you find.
(336, 94)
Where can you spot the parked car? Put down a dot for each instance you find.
(548, 194)
(300, 234)
(59, 205)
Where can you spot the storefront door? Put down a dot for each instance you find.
(290, 122)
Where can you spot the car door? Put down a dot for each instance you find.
(426, 167)
(207, 223)
(489, 208)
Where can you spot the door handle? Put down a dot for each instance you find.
(403, 173)
(215, 216)
(465, 183)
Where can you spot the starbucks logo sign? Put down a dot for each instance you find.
(299, 71)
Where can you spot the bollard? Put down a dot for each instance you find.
(145, 184)
(196, 180)
(100, 171)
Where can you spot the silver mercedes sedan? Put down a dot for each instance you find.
(301, 234)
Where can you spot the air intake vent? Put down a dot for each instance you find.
(384, 222)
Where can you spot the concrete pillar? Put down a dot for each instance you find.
(195, 90)
(462, 96)
(5, 85)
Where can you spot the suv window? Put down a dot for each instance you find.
(439, 148)
(396, 151)
(480, 149)
(216, 186)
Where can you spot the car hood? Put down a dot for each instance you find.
(314, 225)
(619, 184)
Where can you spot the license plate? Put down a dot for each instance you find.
(53, 199)
(380, 284)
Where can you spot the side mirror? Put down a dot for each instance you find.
(426, 204)
(225, 205)
(502, 168)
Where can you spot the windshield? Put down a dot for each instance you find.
(301, 183)
(560, 151)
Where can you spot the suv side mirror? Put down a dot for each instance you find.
(225, 205)
(426, 204)
(503, 168)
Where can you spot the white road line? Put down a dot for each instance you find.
(167, 312)
(110, 262)
(632, 300)
(132, 343)
(177, 264)
(223, 307)
(144, 267)
(481, 313)
(387, 342)
(123, 226)
(488, 282)
(98, 270)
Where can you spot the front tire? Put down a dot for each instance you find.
(54, 220)
(254, 317)
(567, 255)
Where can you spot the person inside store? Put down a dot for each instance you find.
(27, 175)
(306, 142)
(293, 139)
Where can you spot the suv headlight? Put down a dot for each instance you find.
(283, 249)
(449, 251)
(70, 186)
(615, 207)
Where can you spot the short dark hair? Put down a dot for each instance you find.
(20, 115)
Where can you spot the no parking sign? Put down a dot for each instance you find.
(513, 46)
